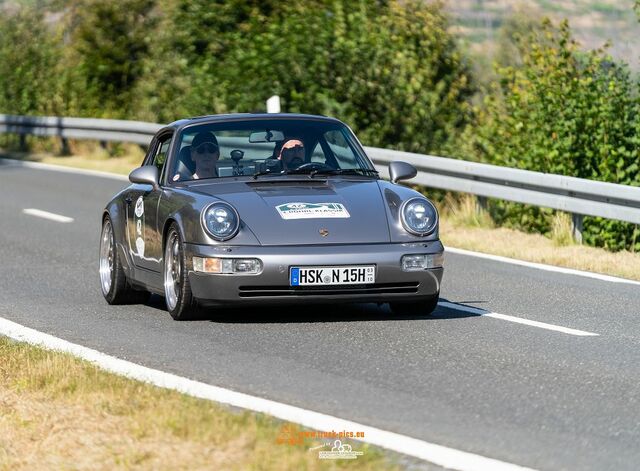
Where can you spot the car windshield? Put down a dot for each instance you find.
(267, 147)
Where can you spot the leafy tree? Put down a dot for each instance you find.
(186, 73)
(388, 68)
(112, 40)
(29, 54)
(566, 112)
(205, 28)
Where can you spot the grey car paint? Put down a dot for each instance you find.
(373, 233)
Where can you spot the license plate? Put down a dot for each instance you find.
(326, 276)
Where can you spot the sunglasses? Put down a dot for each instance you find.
(207, 148)
(292, 150)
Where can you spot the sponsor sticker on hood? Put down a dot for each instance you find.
(312, 210)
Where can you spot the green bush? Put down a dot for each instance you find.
(112, 40)
(566, 112)
(187, 73)
(29, 57)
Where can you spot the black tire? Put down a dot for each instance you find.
(115, 287)
(421, 308)
(180, 302)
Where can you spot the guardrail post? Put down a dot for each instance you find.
(482, 204)
(576, 227)
(64, 147)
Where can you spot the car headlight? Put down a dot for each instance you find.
(221, 220)
(419, 216)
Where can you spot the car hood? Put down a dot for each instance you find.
(307, 211)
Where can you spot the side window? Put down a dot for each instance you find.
(161, 153)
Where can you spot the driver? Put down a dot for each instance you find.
(292, 154)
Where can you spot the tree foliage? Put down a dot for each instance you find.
(112, 40)
(566, 112)
(389, 69)
(187, 73)
(29, 55)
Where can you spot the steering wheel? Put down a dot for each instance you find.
(314, 166)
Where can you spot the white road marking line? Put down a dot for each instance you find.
(47, 215)
(437, 454)
(517, 320)
(542, 266)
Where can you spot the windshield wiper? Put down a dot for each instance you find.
(344, 171)
(264, 172)
(330, 171)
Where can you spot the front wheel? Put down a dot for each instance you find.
(177, 290)
(115, 286)
(420, 308)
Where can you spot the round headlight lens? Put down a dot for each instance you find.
(221, 221)
(419, 216)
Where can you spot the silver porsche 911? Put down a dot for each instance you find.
(268, 208)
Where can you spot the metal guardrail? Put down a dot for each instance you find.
(577, 196)
(114, 130)
(573, 195)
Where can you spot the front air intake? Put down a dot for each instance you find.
(290, 291)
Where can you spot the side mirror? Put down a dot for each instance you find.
(147, 174)
(401, 171)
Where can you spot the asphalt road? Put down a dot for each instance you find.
(512, 392)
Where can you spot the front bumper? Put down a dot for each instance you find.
(271, 286)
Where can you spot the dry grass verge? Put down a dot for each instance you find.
(58, 412)
(90, 158)
(539, 249)
(465, 226)
(462, 226)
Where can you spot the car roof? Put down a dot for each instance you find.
(217, 118)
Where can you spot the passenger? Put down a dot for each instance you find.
(291, 154)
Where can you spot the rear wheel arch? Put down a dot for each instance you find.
(120, 232)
